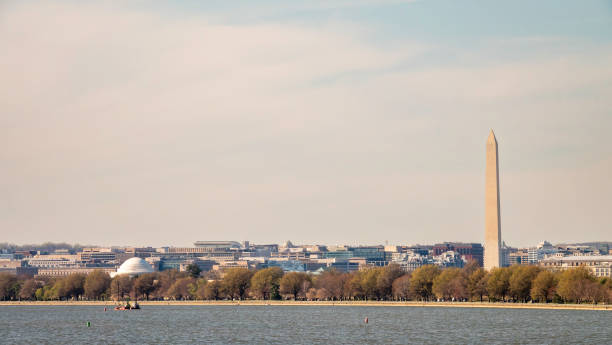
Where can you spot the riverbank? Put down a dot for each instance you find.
(325, 303)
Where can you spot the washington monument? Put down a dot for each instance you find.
(492, 249)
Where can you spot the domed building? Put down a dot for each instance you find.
(133, 267)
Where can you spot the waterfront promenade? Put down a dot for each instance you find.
(326, 303)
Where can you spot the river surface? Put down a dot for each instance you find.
(301, 325)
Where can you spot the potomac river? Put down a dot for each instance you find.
(233, 324)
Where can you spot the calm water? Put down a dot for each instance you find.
(301, 325)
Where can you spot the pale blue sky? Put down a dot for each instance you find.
(333, 122)
(423, 20)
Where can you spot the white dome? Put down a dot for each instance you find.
(133, 266)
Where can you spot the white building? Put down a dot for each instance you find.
(133, 267)
(542, 251)
(600, 265)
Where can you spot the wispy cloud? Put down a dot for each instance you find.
(120, 119)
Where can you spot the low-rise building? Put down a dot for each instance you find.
(97, 254)
(17, 267)
(449, 259)
(218, 244)
(141, 252)
(225, 265)
(600, 265)
(344, 266)
(541, 251)
(410, 261)
(520, 257)
(374, 255)
(53, 260)
(290, 255)
(203, 265)
(65, 271)
(469, 251)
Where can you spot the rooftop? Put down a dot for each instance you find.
(581, 258)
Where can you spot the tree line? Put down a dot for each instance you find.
(44, 247)
(389, 283)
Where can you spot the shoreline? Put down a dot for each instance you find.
(549, 306)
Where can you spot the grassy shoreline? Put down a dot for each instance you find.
(324, 303)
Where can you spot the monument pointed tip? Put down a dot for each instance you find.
(492, 136)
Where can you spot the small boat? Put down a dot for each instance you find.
(128, 306)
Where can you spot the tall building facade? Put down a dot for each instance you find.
(492, 250)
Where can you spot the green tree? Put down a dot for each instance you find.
(470, 268)
(193, 270)
(574, 284)
(200, 288)
(9, 286)
(520, 282)
(46, 292)
(213, 290)
(369, 282)
(121, 286)
(265, 283)
(29, 288)
(385, 279)
(499, 283)
(165, 279)
(353, 287)
(236, 282)
(607, 282)
(421, 282)
(477, 284)
(295, 284)
(50, 291)
(182, 289)
(144, 285)
(40, 294)
(96, 284)
(71, 286)
(450, 284)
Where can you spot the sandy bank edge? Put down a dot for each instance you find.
(322, 303)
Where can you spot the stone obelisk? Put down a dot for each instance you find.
(492, 249)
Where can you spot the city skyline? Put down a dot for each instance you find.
(328, 122)
(56, 260)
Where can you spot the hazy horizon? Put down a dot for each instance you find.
(326, 122)
(144, 245)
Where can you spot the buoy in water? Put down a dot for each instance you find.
(366, 320)
(104, 308)
(88, 324)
